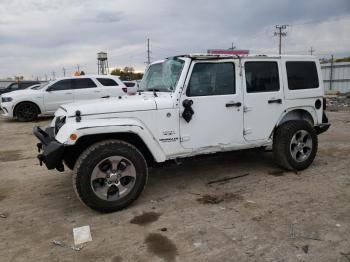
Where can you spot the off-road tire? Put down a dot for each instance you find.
(281, 145)
(91, 157)
(26, 112)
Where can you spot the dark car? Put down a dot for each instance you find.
(18, 86)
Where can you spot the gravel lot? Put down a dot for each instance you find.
(266, 215)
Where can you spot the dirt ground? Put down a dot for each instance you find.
(264, 215)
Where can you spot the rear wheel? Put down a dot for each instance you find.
(295, 145)
(110, 175)
(26, 112)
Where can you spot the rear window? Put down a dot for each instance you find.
(129, 84)
(302, 75)
(107, 82)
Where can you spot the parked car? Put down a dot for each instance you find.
(18, 86)
(190, 105)
(132, 86)
(26, 105)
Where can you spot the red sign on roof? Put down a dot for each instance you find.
(228, 52)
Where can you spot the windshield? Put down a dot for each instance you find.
(163, 76)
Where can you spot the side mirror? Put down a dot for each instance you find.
(49, 89)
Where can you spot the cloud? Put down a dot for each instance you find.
(41, 36)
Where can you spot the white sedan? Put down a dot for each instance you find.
(26, 105)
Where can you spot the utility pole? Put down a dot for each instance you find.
(78, 68)
(280, 33)
(64, 71)
(46, 77)
(232, 46)
(148, 53)
(312, 50)
(53, 75)
(331, 74)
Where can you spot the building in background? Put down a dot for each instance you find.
(336, 76)
(102, 63)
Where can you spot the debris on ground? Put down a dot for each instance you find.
(3, 215)
(81, 235)
(145, 218)
(305, 249)
(216, 199)
(62, 244)
(163, 229)
(226, 179)
(336, 102)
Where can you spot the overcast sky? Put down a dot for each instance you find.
(38, 37)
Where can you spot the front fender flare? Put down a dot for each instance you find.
(103, 126)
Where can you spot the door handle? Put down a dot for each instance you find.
(68, 93)
(231, 104)
(97, 91)
(277, 101)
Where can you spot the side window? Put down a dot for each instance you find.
(83, 83)
(261, 76)
(302, 75)
(64, 84)
(107, 82)
(210, 79)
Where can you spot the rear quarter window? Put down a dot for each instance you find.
(302, 75)
(107, 82)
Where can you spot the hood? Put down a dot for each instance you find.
(120, 104)
(21, 92)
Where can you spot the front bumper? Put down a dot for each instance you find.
(52, 150)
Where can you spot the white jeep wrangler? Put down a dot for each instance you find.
(187, 105)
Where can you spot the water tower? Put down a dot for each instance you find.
(102, 63)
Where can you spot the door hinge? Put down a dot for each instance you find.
(247, 109)
(247, 131)
(184, 138)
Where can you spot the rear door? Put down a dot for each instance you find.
(212, 88)
(85, 89)
(60, 92)
(263, 97)
(111, 87)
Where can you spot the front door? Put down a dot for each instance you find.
(263, 98)
(213, 94)
(58, 94)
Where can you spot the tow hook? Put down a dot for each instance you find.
(39, 146)
(41, 159)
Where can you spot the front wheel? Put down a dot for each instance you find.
(295, 145)
(26, 112)
(110, 175)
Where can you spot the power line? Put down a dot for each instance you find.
(280, 33)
